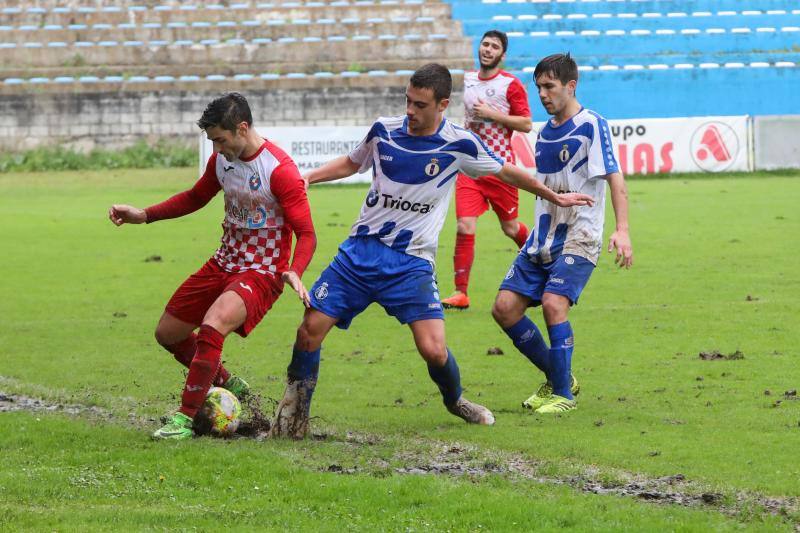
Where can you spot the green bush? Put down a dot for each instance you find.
(140, 155)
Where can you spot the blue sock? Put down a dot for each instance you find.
(448, 379)
(528, 340)
(561, 346)
(304, 365)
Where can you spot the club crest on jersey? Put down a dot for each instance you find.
(255, 182)
(490, 91)
(432, 168)
(322, 291)
(563, 155)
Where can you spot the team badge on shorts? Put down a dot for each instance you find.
(511, 272)
(255, 182)
(568, 260)
(322, 291)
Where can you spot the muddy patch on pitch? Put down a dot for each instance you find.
(459, 460)
(256, 419)
(18, 402)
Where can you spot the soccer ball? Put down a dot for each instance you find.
(219, 415)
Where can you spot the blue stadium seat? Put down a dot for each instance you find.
(706, 57)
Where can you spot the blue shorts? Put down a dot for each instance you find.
(364, 271)
(567, 276)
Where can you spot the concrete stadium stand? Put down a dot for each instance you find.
(431, 9)
(173, 59)
(142, 32)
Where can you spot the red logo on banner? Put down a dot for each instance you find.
(647, 158)
(714, 146)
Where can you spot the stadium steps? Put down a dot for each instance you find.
(466, 10)
(631, 46)
(658, 61)
(439, 10)
(475, 27)
(379, 79)
(248, 30)
(279, 57)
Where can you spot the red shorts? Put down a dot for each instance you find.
(474, 196)
(196, 295)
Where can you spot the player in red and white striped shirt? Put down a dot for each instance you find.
(265, 202)
(496, 105)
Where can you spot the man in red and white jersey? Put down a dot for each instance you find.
(496, 105)
(265, 201)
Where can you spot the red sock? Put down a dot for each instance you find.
(202, 370)
(185, 350)
(522, 235)
(462, 260)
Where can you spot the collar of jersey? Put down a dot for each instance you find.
(478, 74)
(260, 149)
(404, 130)
(568, 124)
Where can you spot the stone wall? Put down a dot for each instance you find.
(114, 119)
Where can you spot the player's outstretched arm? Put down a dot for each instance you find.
(121, 214)
(620, 240)
(336, 169)
(520, 179)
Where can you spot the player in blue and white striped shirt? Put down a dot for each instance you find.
(388, 257)
(573, 153)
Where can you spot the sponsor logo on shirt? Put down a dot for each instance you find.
(372, 198)
(256, 218)
(391, 202)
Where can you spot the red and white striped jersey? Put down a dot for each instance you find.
(503, 92)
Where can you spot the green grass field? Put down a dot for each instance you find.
(715, 269)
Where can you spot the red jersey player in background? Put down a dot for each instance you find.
(265, 201)
(496, 105)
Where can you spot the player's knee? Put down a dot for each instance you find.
(465, 227)
(163, 336)
(554, 308)
(511, 231)
(307, 339)
(434, 353)
(504, 312)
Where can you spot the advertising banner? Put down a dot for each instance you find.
(646, 146)
(310, 146)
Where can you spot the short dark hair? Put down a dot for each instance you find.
(435, 77)
(227, 112)
(497, 34)
(560, 66)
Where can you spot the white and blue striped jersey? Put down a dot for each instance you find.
(413, 179)
(572, 157)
